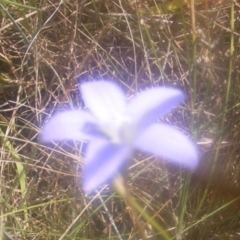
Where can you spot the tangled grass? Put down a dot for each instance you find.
(47, 48)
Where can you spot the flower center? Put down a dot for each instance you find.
(120, 131)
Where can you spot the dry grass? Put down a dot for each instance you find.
(47, 48)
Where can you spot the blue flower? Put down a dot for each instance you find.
(115, 127)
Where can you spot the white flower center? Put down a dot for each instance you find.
(120, 130)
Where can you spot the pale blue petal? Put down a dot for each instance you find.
(103, 160)
(167, 142)
(68, 125)
(150, 104)
(105, 100)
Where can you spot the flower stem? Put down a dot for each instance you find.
(121, 188)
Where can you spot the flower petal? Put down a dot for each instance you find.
(105, 100)
(165, 141)
(67, 125)
(150, 104)
(103, 161)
